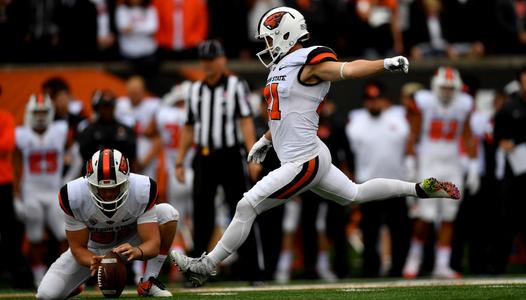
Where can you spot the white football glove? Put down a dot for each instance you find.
(397, 63)
(259, 150)
(410, 168)
(473, 177)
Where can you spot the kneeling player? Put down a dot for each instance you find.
(111, 210)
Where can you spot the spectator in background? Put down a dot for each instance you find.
(382, 19)
(183, 24)
(137, 110)
(429, 35)
(137, 22)
(511, 26)
(106, 131)
(510, 138)
(11, 231)
(378, 136)
(105, 21)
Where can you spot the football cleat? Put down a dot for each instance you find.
(197, 270)
(152, 288)
(445, 273)
(433, 188)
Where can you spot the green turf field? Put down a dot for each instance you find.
(504, 288)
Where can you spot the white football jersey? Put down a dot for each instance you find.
(292, 105)
(42, 156)
(170, 121)
(107, 230)
(138, 118)
(378, 143)
(442, 125)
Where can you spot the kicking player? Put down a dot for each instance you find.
(298, 82)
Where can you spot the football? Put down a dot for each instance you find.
(111, 275)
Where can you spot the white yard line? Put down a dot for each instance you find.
(365, 286)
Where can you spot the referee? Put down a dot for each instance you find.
(219, 121)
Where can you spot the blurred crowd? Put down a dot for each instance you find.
(449, 130)
(146, 32)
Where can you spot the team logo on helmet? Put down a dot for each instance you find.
(123, 166)
(89, 168)
(272, 21)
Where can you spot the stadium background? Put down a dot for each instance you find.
(26, 63)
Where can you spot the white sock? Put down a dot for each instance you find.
(138, 269)
(236, 233)
(153, 266)
(285, 260)
(323, 261)
(416, 250)
(442, 257)
(382, 188)
(38, 273)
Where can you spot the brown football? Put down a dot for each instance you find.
(111, 275)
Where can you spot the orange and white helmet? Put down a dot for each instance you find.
(281, 28)
(107, 173)
(446, 83)
(39, 111)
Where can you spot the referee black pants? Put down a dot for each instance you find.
(225, 167)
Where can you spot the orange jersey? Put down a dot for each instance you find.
(7, 145)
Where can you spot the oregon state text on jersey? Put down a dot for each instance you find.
(292, 104)
(43, 156)
(106, 230)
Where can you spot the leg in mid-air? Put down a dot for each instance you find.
(318, 175)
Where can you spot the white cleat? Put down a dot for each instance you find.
(152, 288)
(445, 273)
(282, 276)
(326, 274)
(196, 269)
(411, 268)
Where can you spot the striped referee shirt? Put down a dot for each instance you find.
(215, 111)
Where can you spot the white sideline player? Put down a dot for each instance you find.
(298, 81)
(137, 111)
(39, 162)
(110, 209)
(441, 123)
(168, 124)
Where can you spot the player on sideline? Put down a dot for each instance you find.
(298, 81)
(111, 210)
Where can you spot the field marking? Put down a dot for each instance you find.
(364, 286)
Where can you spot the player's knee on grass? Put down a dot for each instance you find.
(166, 213)
(48, 291)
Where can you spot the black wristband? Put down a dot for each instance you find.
(142, 253)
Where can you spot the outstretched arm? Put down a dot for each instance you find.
(333, 71)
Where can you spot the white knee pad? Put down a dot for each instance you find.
(245, 211)
(166, 213)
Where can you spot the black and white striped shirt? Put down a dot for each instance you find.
(215, 111)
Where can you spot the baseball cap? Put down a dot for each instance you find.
(210, 49)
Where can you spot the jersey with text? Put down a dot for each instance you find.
(42, 156)
(170, 121)
(292, 105)
(108, 229)
(442, 125)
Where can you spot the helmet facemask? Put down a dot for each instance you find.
(107, 175)
(109, 197)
